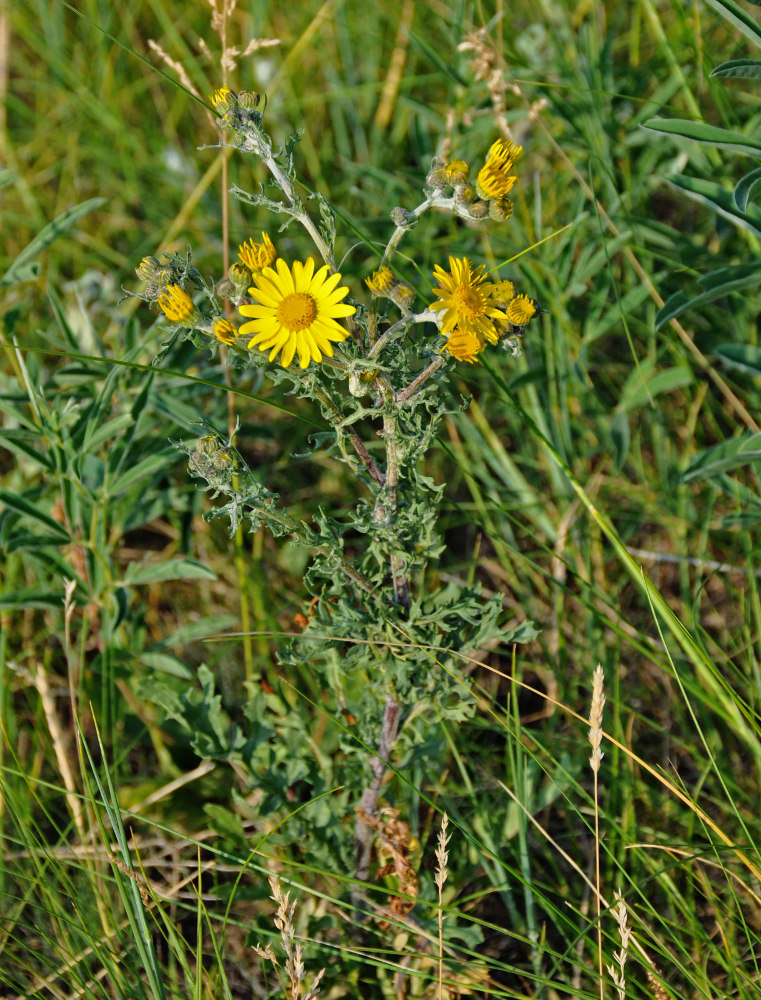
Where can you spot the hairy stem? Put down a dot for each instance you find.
(369, 802)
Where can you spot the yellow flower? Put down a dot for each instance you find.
(223, 99)
(224, 330)
(296, 310)
(502, 292)
(504, 153)
(465, 299)
(493, 181)
(456, 171)
(177, 306)
(381, 281)
(521, 310)
(464, 345)
(257, 256)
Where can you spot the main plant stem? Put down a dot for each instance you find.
(392, 711)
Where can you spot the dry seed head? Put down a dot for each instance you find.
(617, 972)
(595, 717)
(442, 855)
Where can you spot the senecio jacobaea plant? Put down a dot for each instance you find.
(392, 652)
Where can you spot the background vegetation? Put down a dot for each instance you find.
(604, 484)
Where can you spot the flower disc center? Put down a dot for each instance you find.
(297, 311)
(468, 302)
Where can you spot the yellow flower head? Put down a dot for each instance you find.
(502, 292)
(466, 299)
(464, 345)
(521, 310)
(296, 310)
(504, 153)
(381, 281)
(456, 171)
(257, 256)
(493, 181)
(224, 330)
(177, 306)
(223, 99)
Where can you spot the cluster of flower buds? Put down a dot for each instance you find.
(488, 195)
(212, 461)
(252, 258)
(157, 276)
(238, 109)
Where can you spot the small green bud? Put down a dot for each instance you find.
(402, 218)
(226, 289)
(478, 210)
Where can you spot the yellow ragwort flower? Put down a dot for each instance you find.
(177, 305)
(504, 153)
(464, 345)
(466, 299)
(381, 281)
(521, 310)
(456, 171)
(224, 330)
(493, 181)
(296, 310)
(257, 256)
(502, 292)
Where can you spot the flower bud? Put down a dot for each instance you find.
(224, 330)
(178, 306)
(478, 210)
(147, 268)
(402, 218)
(226, 289)
(437, 177)
(501, 209)
(381, 282)
(402, 295)
(240, 276)
(223, 100)
(257, 256)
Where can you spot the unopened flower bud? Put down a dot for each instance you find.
(402, 295)
(164, 275)
(464, 194)
(501, 209)
(402, 218)
(478, 210)
(381, 281)
(437, 177)
(178, 306)
(226, 289)
(248, 101)
(223, 100)
(147, 268)
(224, 330)
(212, 461)
(240, 276)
